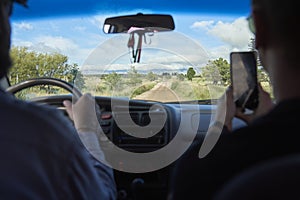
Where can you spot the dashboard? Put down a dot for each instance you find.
(183, 122)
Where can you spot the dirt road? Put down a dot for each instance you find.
(161, 92)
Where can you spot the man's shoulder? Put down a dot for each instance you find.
(268, 136)
(281, 122)
(35, 121)
(24, 107)
(273, 135)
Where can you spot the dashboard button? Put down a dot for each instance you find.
(106, 116)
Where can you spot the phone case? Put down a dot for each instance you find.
(249, 98)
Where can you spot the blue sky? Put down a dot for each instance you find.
(216, 27)
(44, 8)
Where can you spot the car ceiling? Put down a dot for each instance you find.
(50, 8)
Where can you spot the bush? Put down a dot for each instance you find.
(142, 89)
(174, 85)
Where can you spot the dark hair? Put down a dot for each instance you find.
(5, 60)
(5, 65)
(281, 16)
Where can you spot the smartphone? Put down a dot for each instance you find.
(243, 69)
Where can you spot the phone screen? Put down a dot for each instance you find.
(244, 79)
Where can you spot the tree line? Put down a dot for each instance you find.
(30, 64)
(217, 71)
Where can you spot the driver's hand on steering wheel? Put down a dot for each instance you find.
(84, 113)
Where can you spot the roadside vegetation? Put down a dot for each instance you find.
(210, 83)
(30, 64)
(142, 89)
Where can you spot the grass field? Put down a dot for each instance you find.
(186, 90)
(196, 90)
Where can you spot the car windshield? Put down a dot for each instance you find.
(65, 40)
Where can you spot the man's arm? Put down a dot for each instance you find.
(226, 111)
(85, 113)
(198, 173)
(88, 178)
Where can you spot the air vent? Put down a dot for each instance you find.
(135, 117)
(155, 141)
(145, 119)
(157, 118)
(142, 118)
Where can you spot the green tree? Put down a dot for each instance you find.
(30, 64)
(262, 75)
(25, 63)
(251, 47)
(166, 75)
(75, 77)
(190, 73)
(113, 80)
(217, 72)
(134, 77)
(261, 72)
(151, 76)
(180, 77)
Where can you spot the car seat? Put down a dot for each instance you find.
(274, 179)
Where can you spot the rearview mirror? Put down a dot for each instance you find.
(141, 22)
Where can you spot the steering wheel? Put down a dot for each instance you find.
(45, 81)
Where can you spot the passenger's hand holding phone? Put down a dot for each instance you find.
(227, 108)
(264, 106)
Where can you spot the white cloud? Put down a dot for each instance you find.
(124, 68)
(203, 24)
(98, 20)
(54, 26)
(23, 26)
(165, 49)
(80, 28)
(51, 44)
(42, 48)
(21, 43)
(235, 34)
(65, 46)
(171, 48)
(220, 52)
(59, 43)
